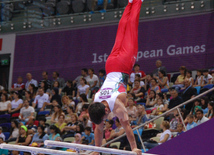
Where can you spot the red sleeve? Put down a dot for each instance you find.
(13, 86)
(23, 86)
(143, 73)
(149, 91)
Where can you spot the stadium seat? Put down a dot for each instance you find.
(116, 143)
(140, 131)
(157, 139)
(7, 135)
(69, 139)
(5, 117)
(16, 115)
(198, 88)
(164, 90)
(209, 86)
(43, 113)
(158, 122)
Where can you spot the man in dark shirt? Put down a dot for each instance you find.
(45, 78)
(176, 100)
(69, 89)
(188, 93)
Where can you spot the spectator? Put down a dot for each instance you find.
(154, 86)
(24, 138)
(28, 98)
(131, 109)
(80, 129)
(32, 128)
(41, 100)
(66, 102)
(70, 128)
(56, 96)
(3, 151)
(86, 122)
(159, 67)
(42, 122)
(32, 90)
(196, 106)
(14, 132)
(138, 91)
(40, 137)
(141, 115)
(163, 97)
(148, 79)
(19, 86)
(77, 138)
(151, 100)
(84, 112)
(200, 78)
(69, 89)
(26, 112)
(174, 122)
(207, 77)
(57, 78)
(16, 104)
(188, 93)
(191, 124)
(100, 3)
(92, 80)
(55, 133)
(189, 77)
(137, 77)
(108, 129)
(200, 117)
(162, 79)
(61, 122)
(180, 128)
(211, 110)
(84, 74)
(45, 80)
(56, 85)
(4, 104)
(70, 112)
(44, 85)
(57, 112)
(30, 80)
(102, 77)
(179, 83)
(136, 71)
(2, 134)
(158, 108)
(204, 103)
(83, 88)
(176, 100)
(165, 136)
(83, 100)
(88, 136)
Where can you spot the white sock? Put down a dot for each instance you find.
(130, 1)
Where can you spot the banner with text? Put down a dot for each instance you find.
(187, 41)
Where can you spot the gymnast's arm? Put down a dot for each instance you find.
(98, 134)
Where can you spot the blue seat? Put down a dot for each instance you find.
(6, 116)
(209, 86)
(198, 88)
(6, 126)
(144, 151)
(7, 135)
(164, 90)
(140, 131)
(44, 113)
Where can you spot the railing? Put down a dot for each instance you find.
(167, 112)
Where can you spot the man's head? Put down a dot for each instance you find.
(137, 76)
(158, 63)
(42, 121)
(205, 72)
(199, 72)
(45, 75)
(19, 80)
(174, 93)
(97, 111)
(69, 83)
(55, 75)
(84, 72)
(136, 68)
(199, 114)
(41, 91)
(87, 130)
(190, 118)
(26, 103)
(28, 76)
(186, 83)
(31, 120)
(102, 72)
(137, 83)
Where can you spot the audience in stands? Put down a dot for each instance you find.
(179, 83)
(32, 90)
(39, 137)
(83, 100)
(131, 109)
(40, 101)
(138, 78)
(56, 96)
(154, 86)
(176, 100)
(70, 129)
(200, 117)
(211, 110)
(29, 98)
(45, 80)
(204, 104)
(2, 134)
(191, 124)
(4, 104)
(26, 112)
(189, 77)
(151, 100)
(200, 78)
(136, 71)
(118, 131)
(141, 116)
(180, 128)
(30, 80)
(3, 151)
(83, 88)
(14, 132)
(162, 79)
(54, 133)
(159, 68)
(102, 77)
(69, 89)
(66, 102)
(207, 77)
(84, 74)
(61, 122)
(92, 80)
(19, 86)
(57, 112)
(138, 91)
(59, 79)
(32, 128)
(16, 104)
(87, 135)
